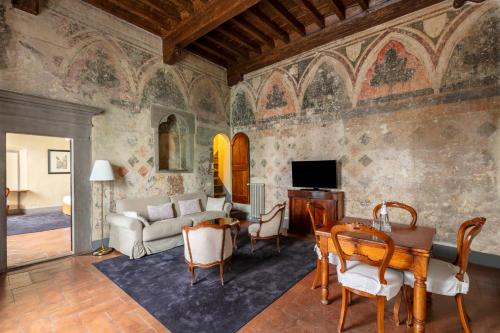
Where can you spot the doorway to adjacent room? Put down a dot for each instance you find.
(222, 166)
(39, 201)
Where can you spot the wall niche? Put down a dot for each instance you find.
(174, 139)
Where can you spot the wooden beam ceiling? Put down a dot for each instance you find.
(245, 35)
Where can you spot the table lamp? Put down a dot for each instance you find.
(102, 172)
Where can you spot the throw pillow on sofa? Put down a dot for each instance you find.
(135, 215)
(215, 203)
(162, 212)
(187, 207)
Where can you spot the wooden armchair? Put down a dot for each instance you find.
(269, 226)
(448, 279)
(401, 205)
(207, 245)
(7, 192)
(315, 212)
(360, 275)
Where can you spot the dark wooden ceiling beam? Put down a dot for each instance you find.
(365, 4)
(139, 9)
(184, 4)
(269, 25)
(243, 24)
(338, 8)
(313, 12)
(283, 12)
(378, 14)
(206, 19)
(229, 48)
(30, 6)
(238, 37)
(459, 3)
(210, 48)
(208, 54)
(127, 16)
(163, 9)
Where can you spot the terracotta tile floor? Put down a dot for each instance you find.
(70, 295)
(37, 246)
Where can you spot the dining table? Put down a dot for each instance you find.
(413, 246)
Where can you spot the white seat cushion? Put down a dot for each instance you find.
(441, 279)
(364, 277)
(333, 259)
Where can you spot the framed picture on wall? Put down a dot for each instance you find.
(59, 161)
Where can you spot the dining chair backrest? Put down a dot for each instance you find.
(365, 230)
(401, 205)
(466, 233)
(316, 210)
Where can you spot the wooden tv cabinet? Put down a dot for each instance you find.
(299, 220)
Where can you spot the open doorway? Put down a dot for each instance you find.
(39, 200)
(222, 167)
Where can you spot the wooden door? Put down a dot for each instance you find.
(240, 168)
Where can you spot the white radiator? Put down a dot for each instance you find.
(257, 200)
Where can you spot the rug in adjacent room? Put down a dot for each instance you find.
(161, 284)
(24, 224)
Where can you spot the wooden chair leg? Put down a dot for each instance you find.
(192, 276)
(317, 274)
(409, 305)
(459, 299)
(380, 314)
(252, 243)
(278, 243)
(397, 306)
(349, 298)
(221, 272)
(343, 309)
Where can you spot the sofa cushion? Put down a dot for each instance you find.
(161, 212)
(205, 216)
(189, 196)
(139, 205)
(215, 203)
(187, 207)
(165, 228)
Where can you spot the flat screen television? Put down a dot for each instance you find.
(314, 174)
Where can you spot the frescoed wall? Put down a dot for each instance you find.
(74, 52)
(410, 109)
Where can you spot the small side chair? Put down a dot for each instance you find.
(269, 226)
(448, 279)
(400, 205)
(207, 245)
(359, 274)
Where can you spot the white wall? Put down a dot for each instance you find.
(44, 189)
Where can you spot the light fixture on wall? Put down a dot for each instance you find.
(102, 172)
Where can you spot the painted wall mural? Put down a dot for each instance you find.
(74, 52)
(411, 110)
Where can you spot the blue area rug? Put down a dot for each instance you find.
(24, 224)
(161, 284)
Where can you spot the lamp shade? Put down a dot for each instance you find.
(102, 171)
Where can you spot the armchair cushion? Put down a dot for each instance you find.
(364, 277)
(165, 228)
(441, 279)
(206, 245)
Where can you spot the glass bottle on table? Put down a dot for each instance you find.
(385, 225)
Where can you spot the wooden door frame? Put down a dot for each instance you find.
(242, 134)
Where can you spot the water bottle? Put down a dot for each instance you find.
(384, 218)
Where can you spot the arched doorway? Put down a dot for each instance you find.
(240, 167)
(222, 166)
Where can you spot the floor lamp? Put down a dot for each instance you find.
(102, 172)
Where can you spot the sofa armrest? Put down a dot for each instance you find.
(227, 208)
(123, 221)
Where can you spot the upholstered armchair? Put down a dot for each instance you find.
(269, 226)
(207, 245)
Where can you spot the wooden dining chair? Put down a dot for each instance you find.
(359, 274)
(448, 279)
(269, 226)
(396, 204)
(315, 211)
(7, 192)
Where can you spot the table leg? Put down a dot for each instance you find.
(419, 304)
(236, 236)
(324, 279)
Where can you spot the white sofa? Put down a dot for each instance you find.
(135, 239)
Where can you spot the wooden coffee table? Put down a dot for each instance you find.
(234, 224)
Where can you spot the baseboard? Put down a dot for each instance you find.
(449, 252)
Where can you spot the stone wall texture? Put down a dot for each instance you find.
(77, 53)
(410, 109)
